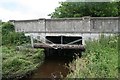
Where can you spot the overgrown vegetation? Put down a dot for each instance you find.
(17, 61)
(10, 37)
(99, 61)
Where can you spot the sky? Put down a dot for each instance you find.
(26, 9)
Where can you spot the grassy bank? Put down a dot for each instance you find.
(99, 61)
(18, 63)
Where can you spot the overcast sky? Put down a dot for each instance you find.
(26, 9)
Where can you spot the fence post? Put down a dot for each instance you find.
(32, 43)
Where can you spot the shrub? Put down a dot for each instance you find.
(19, 62)
(99, 61)
(10, 37)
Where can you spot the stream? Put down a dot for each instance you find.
(54, 66)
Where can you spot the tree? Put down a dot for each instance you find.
(118, 3)
(10, 37)
(79, 9)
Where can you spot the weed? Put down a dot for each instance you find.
(99, 61)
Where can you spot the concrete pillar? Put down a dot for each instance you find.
(83, 39)
(61, 39)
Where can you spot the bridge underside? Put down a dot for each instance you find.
(61, 42)
(64, 39)
(62, 45)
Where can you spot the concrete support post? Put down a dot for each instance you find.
(83, 40)
(61, 39)
(32, 43)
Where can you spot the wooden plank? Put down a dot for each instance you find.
(59, 46)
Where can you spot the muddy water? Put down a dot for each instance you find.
(53, 67)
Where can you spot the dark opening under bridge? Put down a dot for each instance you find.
(66, 33)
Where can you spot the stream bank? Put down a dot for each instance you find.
(20, 63)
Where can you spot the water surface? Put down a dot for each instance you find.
(53, 67)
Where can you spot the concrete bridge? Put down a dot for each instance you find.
(66, 32)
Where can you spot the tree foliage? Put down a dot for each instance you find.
(93, 9)
(10, 37)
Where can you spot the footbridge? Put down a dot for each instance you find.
(66, 33)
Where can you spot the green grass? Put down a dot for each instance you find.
(17, 62)
(20, 62)
(99, 61)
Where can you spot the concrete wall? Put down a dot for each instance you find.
(87, 27)
(108, 24)
(68, 25)
(29, 25)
